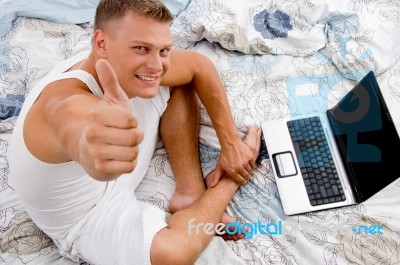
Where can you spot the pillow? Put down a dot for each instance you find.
(59, 11)
(251, 27)
(176, 6)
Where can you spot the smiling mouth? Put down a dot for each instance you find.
(147, 78)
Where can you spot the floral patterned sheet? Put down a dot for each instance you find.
(276, 58)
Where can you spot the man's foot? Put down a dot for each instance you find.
(182, 200)
(226, 219)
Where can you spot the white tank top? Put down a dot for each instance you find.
(60, 197)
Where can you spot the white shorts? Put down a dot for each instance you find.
(121, 230)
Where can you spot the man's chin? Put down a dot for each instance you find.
(148, 93)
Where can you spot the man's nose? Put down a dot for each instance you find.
(154, 62)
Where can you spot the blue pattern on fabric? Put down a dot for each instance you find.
(272, 25)
(10, 106)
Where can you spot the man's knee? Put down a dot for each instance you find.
(184, 96)
(182, 110)
(168, 248)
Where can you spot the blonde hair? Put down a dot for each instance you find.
(108, 10)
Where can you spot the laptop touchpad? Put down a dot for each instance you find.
(284, 164)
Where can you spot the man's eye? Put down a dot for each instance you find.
(164, 51)
(140, 48)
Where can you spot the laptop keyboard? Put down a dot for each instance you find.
(315, 160)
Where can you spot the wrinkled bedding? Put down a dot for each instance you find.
(276, 59)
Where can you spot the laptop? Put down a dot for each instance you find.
(335, 158)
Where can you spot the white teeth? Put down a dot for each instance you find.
(147, 78)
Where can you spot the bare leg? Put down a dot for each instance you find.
(179, 130)
(180, 242)
(185, 237)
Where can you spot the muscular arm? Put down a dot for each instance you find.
(54, 123)
(73, 124)
(195, 68)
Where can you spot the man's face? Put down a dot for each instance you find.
(139, 51)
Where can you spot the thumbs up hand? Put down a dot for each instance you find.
(109, 143)
(113, 93)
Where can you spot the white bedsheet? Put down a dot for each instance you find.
(265, 65)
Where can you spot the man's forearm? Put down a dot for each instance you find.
(212, 94)
(235, 158)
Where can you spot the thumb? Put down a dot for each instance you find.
(113, 92)
(252, 138)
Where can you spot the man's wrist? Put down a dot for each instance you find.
(229, 140)
(228, 182)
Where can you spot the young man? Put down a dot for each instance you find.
(87, 132)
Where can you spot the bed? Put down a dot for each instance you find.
(270, 54)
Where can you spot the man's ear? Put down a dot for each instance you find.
(99, 43)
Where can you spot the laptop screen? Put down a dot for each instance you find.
(366, 137)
